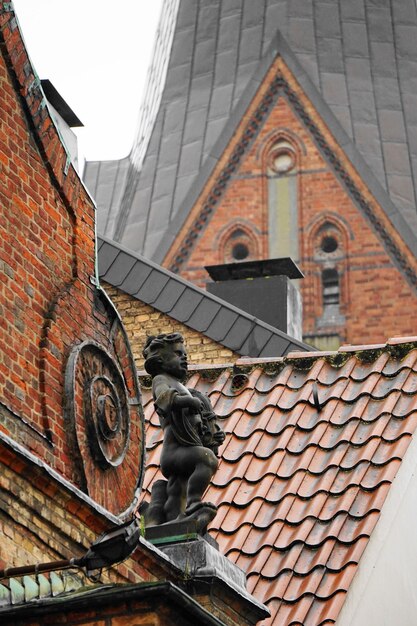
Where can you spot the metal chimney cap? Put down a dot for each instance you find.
(255, 269)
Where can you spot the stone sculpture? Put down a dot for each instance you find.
(191, 437)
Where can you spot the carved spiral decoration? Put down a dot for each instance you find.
(101, 395)
(106, 423)
(105, 410)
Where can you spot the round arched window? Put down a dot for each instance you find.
(328, 243)
(282, 158)
(239, 246)
(240, 251)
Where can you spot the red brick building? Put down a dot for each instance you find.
(72, 426)
(316, 488)
(280, 129)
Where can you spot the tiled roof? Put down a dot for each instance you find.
(313, 444)
(355, 60)
(166, 292)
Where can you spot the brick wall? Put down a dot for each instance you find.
(42, 520)
(67, 374)
(376, 299)
(46, 243)
(142, 320)
(49, 305)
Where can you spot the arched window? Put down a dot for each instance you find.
(239, 245)
(328, 244)
(329, 251)
(281, 171)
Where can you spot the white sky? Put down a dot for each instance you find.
(96, 53)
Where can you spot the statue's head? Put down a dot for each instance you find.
(166, 353)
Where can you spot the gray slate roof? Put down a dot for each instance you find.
(190, 305)
(106, 182)
(357, 61)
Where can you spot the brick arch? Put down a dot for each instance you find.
(281, 134)
(330, 220)
(332, 217)
(233, 234)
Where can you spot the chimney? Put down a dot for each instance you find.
(263, 289)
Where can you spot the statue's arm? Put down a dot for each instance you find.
(166, 397)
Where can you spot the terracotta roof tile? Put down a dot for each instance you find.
(290, 613)
(404, 406)
(361, 348)
(409, 361)
(281, 487)
(230, 471)
(301, 482)
(401, 340)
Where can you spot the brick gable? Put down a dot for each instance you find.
(376, 271)
(60, 333)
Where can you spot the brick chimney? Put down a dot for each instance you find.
(263, 289)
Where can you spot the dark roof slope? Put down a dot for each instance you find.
(361, 62)
(106, 182)
(190, 305)
(313, 443)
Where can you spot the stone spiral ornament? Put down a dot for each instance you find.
(105, 407)
(104, 415)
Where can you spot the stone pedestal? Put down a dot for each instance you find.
(210, 577)
(176, 533)
(200, 559)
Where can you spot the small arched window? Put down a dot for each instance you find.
(239, 246)
(281, 171)
(329, 252)
(281, 158)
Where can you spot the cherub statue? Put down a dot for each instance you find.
(191, 435)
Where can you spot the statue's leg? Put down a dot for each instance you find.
(176, 492)
(201, 476)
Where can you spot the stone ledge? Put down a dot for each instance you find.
(200, 562)
(197, 558)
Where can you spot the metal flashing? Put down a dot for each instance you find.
(255, 269)
(58, 102)
(112, 594)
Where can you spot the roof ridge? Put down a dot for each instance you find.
(396, 347)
